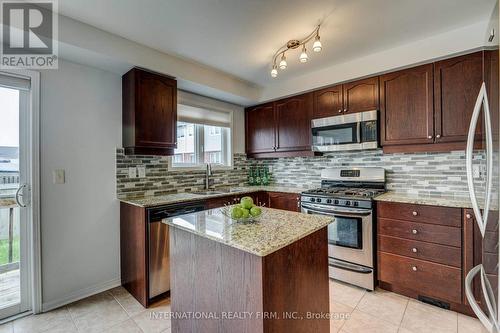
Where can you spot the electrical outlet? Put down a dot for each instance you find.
(58, 176)
(132, 172)
(141, 171)
(476, 171)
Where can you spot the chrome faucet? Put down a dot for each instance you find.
(207, 176)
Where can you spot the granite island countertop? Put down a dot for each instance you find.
(160, 200)
(275, 229)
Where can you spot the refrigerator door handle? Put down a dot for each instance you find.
(488, 323)
(482, 100)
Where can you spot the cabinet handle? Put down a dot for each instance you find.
(340, 110)
(414, 268)
(429, 137)
(414, 213)
(468, 216)
(438, 136)
(345, 110)
(414, 250)
(414, 231)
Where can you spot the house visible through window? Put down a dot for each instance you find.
(202, 144)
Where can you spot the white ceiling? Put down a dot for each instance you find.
(240, 36)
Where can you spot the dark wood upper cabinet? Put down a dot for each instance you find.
(406, 106)
(260, 129)
(149, 113)
(281, 128)
(293, 123)
(352, 97)
(361, 95)
(328, 102)
(456, 85)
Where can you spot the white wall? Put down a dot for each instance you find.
(80, 122)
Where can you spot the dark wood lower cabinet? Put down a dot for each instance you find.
(285, 201)
(134, 251)
(426, 252)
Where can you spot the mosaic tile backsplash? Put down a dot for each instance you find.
(419, 173)
(416, 173)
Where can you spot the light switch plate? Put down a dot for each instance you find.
(132, 172)
(141, 171)
(58, 176)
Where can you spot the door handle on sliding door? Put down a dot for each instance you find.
(20, 196)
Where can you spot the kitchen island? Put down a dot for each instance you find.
(268, 276)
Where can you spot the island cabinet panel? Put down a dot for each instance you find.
(406, 106)
(210, 277)
(149, 113)
(456, 85)
(328, 102)
(260, 129)
(286, 201)
(293, 123)
(361, 95)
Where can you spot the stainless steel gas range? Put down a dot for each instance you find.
(346, 194)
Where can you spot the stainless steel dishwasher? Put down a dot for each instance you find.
(159, 258)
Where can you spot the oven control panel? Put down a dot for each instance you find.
(344, 202)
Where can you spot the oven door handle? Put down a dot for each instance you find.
(321, 210)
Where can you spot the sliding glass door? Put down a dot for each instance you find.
(15, 268)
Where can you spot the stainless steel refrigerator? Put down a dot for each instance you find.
(482, 281)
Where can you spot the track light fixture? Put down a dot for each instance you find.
(293, 44)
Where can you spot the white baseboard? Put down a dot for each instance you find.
(80, 294)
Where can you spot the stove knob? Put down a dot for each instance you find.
(355, 204)
(347, 203)
(312, 200)
(336, 202)
(329, 201)
(318, 200)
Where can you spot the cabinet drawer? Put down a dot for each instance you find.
(446, 255)
(421, 232)
(420, 213)
(427, 278)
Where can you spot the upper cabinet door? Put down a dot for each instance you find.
(456, 85)
(260, 129)
(293, 123)
(156, 114)
(328, 102)
(362, 95)
(406, 105)
(149, 113)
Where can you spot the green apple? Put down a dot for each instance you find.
(246, 213)
(237, 213)
(255, 211)
(246, 202)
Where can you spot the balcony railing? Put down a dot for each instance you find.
(8, 260)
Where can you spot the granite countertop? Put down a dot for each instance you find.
(275, 229)
(152, 201)
(445, 201)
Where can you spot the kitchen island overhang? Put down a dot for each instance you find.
(269, 276)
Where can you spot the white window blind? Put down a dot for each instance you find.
(196, 115)
(14, 82)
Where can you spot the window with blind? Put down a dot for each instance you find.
(203, 136)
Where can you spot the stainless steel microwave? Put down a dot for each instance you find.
(357, 131)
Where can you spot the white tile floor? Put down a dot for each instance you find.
(357, 311)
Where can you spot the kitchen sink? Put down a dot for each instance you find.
(208, 192)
